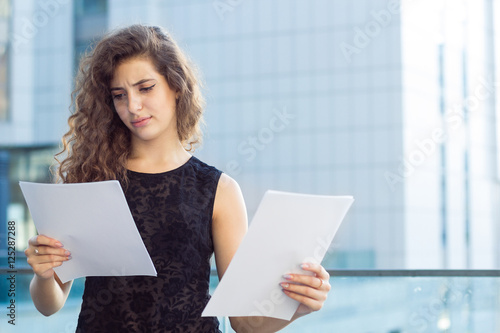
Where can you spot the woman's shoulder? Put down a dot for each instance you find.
(228, 194)
(225, 182)
(202, 164)
(206, 169)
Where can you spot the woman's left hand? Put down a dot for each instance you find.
(310, 291)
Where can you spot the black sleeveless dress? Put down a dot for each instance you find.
(173, 213)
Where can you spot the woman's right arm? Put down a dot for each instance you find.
(48, 292)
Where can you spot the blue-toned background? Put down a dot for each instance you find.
(392, 101)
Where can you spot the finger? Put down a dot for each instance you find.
(42, 250)
(312, 293)
(43, 268)
(41, 244)
(44, 240)
(317, 269)
(46, 270)
(313, 304)
(310, 281)
(36, 260)
(47, 250)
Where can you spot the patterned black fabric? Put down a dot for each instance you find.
(173, 212)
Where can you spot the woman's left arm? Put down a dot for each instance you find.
(229, 226)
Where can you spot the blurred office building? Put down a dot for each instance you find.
(393, 102)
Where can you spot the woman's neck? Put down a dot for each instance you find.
(155, 158)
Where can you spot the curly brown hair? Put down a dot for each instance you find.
(97, 145)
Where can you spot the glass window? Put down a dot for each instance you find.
(4, 43)
(496, 52)
(90, 23)
(26, 164)
(88, 7)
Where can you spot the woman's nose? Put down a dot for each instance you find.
(134, 103)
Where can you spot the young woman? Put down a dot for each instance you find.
(138, 109)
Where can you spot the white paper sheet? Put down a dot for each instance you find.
(287, 230)
(93, 222)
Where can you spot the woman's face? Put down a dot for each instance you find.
(144, 101)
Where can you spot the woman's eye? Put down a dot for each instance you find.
(145, 89)
(118, 96)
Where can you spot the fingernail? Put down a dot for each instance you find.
(69, 257)
(58, 244)
(287, 276)
(67, 253)
(304, 265)
(285, 285)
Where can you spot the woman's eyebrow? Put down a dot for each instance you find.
(133, 85)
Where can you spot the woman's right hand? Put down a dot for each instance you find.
(45, 253)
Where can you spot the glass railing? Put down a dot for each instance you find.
(371, 301)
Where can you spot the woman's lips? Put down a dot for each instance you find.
(143, 121)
